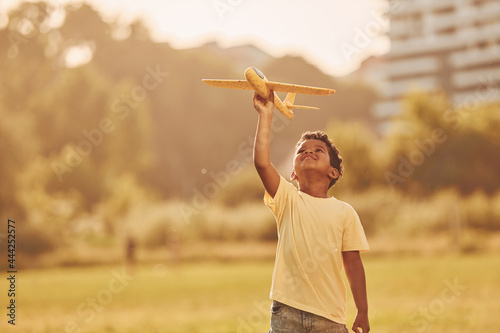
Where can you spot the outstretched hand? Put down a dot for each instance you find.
(263, 105)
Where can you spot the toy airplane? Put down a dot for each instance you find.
(255, 80)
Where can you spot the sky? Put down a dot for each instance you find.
(334, 35)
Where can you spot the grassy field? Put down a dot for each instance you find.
(406, 294)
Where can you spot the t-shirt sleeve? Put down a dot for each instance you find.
(279, 202)
(353, 238)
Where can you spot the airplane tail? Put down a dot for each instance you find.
(290, 98)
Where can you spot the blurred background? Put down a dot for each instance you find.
(136, 203)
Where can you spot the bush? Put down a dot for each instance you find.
(251, 221)
(482, 212)
(157, 236)
(34, 241)
(389, 211)
(243, 188)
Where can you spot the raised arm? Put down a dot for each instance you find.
(261, 151)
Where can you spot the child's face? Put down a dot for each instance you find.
(312, 156)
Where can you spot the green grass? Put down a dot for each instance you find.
(406, 294)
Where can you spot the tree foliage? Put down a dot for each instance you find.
(434, 145)
(132, 116)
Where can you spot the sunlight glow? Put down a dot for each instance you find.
(78, 55)
(316, 30)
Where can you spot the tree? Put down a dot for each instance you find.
(434, 145)
(361, 153)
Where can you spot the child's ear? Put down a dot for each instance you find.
(334, 173)
(293, 176)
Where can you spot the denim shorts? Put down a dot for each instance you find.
(285, 319)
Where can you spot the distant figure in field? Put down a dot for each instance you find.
(318, 236)
(130, 253)
(174, 246)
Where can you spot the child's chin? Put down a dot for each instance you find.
(308, 163)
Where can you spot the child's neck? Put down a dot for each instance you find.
(318, 189)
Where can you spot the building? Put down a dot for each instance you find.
(453, 45)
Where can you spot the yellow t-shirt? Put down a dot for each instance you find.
(312, 234)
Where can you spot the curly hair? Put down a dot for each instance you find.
(333, 152)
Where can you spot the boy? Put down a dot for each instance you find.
(317, 235)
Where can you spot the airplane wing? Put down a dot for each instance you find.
(232, 84)
(293, 88)
(276, 86)
(293, 106)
